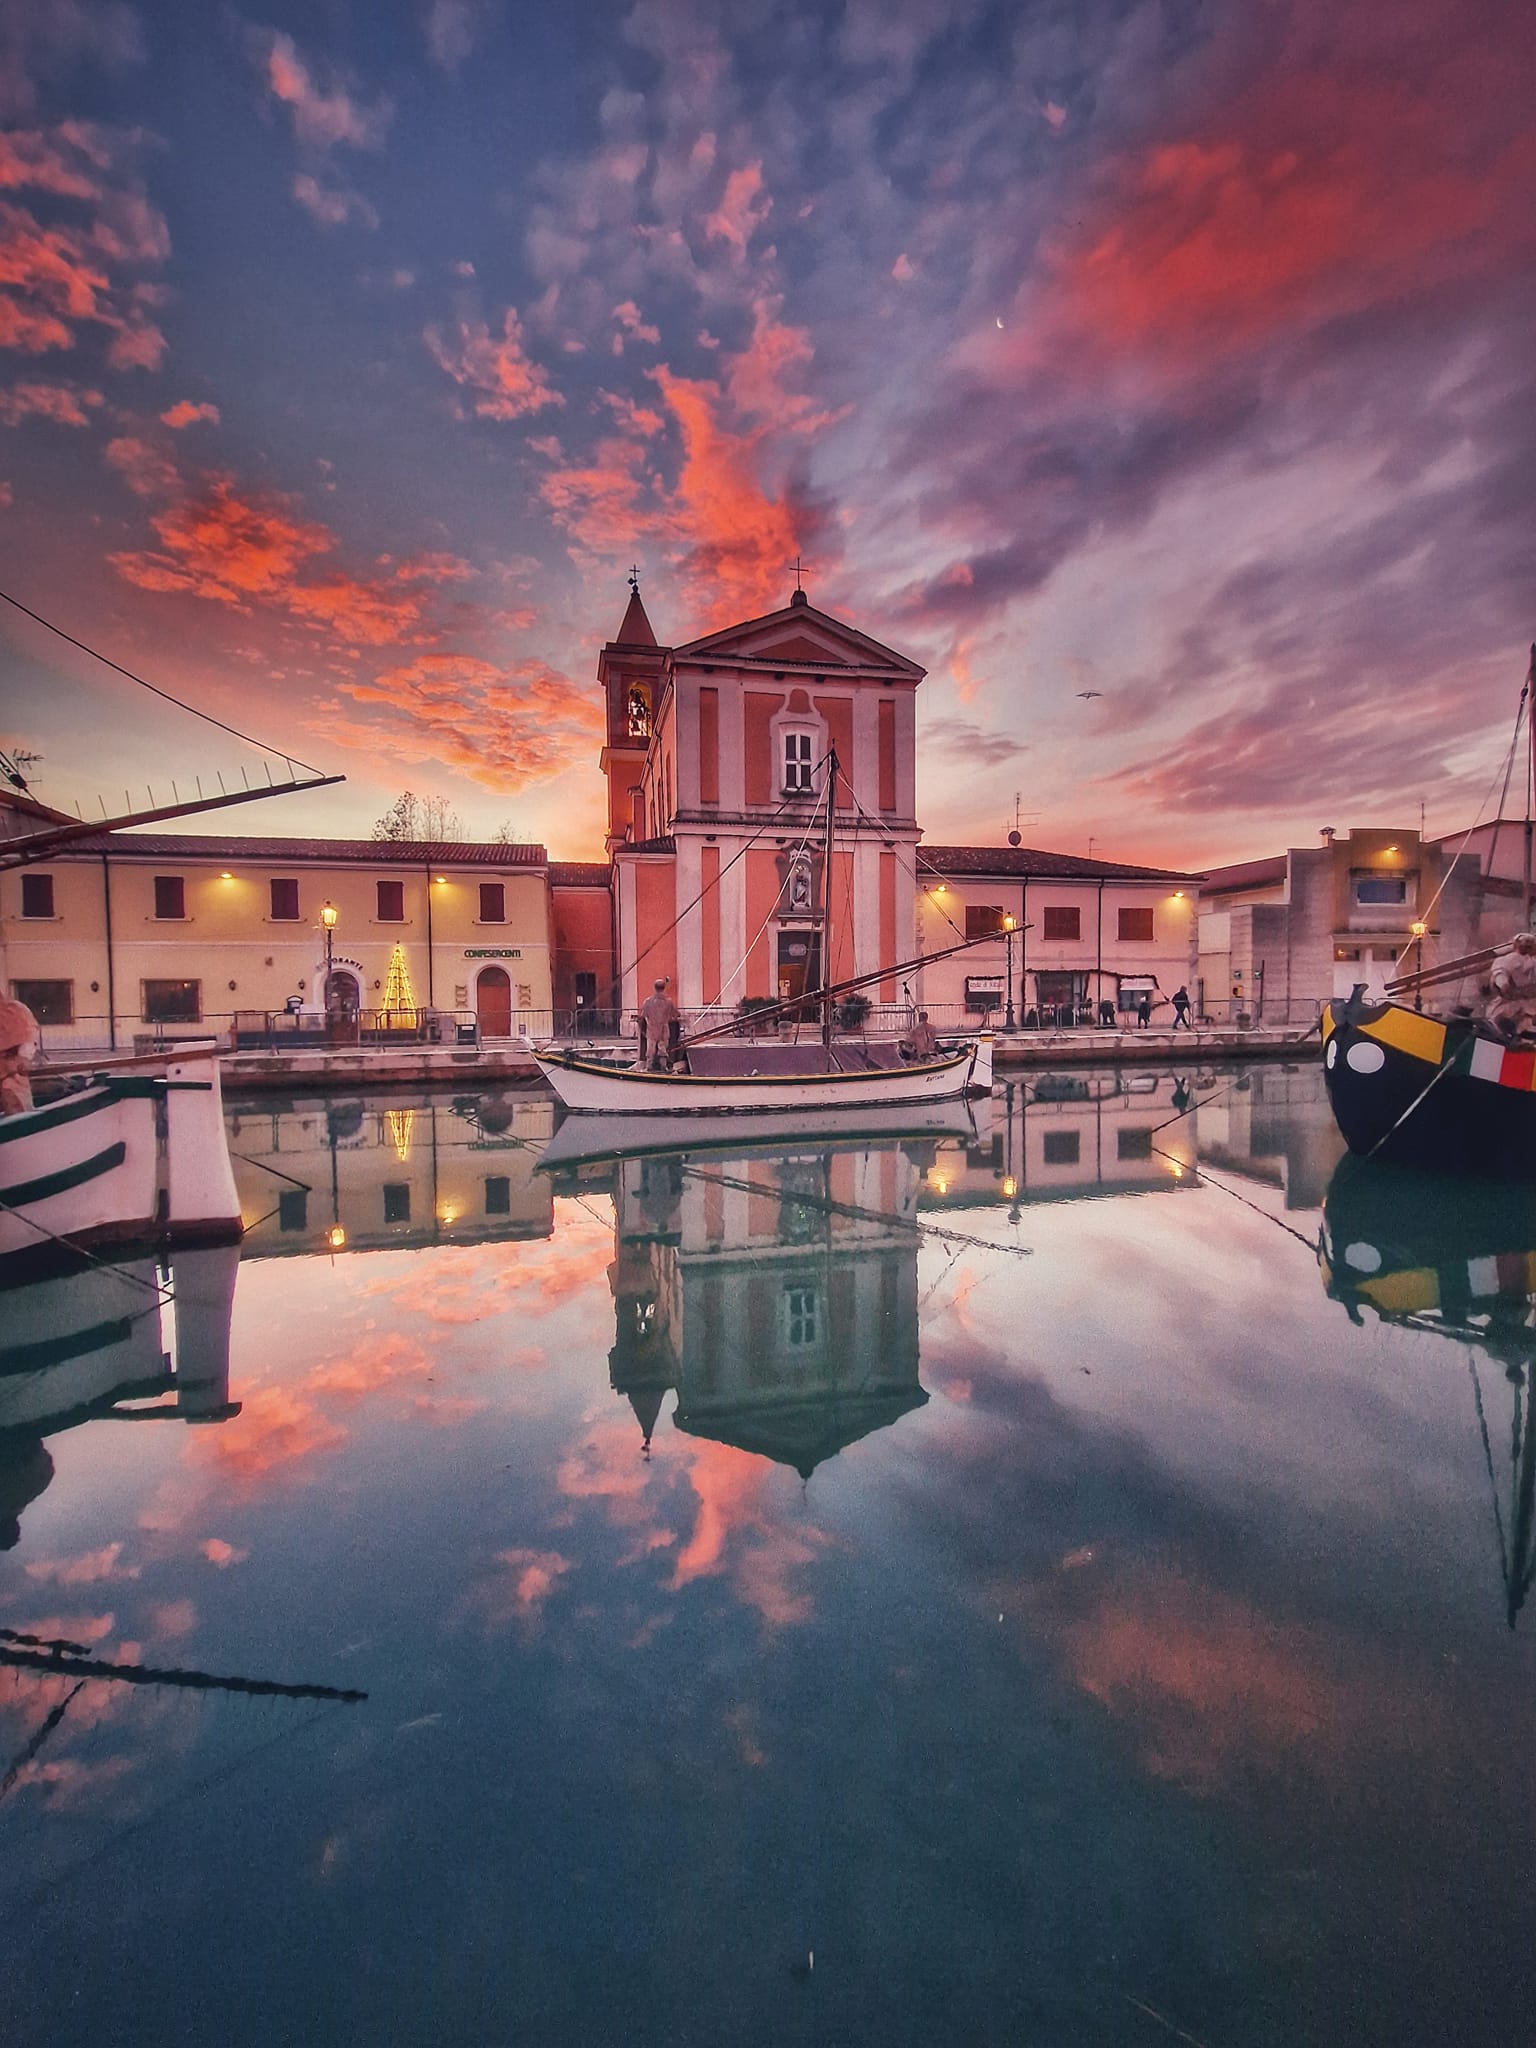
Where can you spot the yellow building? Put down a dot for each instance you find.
(127, 934)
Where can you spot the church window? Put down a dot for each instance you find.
(797, 762)
(638, 712)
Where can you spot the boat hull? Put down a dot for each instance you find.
(588, 1088)
(1415, 1091)
(93, 1167)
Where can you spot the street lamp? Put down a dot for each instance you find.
(1420, 931)
(1008, 930)
(328, 916)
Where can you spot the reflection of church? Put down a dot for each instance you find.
(776, 1294)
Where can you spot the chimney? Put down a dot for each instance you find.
(1327, 835)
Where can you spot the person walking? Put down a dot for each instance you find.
(1144, 1013)
(1181, 1009)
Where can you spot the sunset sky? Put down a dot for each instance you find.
(351, 353)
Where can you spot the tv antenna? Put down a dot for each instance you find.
(1016, 837)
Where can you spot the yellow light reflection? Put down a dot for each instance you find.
(335, 1237)
(399, 1122)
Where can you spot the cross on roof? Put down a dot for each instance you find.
(634, 579)
(795, 565)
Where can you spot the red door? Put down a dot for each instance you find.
(493, 1003)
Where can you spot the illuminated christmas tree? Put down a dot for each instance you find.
(397, 985)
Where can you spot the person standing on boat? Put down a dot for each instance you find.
(18, 1037)
(658, 1022)
(1513, 1009)
(922, 1041)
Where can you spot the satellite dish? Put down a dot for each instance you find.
(1015, 839)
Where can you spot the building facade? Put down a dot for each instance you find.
(1280, 937)
(127, 934)
(718, 758)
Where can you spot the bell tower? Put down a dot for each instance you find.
(629, 669)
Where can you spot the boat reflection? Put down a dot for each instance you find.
(1455, 1259)
(90, 1341)
(774, 1291)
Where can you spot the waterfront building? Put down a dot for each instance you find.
(128, 934)
(1071, 935)
(1279, 937)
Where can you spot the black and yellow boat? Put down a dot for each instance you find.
(1444, 1094)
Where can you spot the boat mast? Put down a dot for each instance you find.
(826, 911)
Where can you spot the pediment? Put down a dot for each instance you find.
(800, 637)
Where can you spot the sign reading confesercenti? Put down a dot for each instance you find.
(493, 952)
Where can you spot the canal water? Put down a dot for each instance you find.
(1056, 1581)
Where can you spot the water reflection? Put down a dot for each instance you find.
(94, 1341)
(1455, 1259)
(391, 1172)
(812, 1251)
(1145, 1605)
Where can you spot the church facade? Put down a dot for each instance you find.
(718, 759)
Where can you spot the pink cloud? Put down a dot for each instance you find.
(322, 118)
(743, 208)
(333, 206)
(64, 404)
(506, 384)
(147, 471)
(221, 1554)
(184, 413)
(628, 317)
(505, 725)
(226, 546)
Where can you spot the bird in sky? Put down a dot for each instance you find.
(1090, 693)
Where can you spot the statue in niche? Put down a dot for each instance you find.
(639, 713)
(798, 874)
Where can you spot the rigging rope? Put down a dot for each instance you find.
(155, 690)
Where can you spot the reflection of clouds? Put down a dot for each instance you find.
(374, 1364)
(736, 1531)
(1211, 1685)
(471, 1283)
(605, 1464)
(276, 1429)
(515, 1595)
(85, 1570)
(731, 1528)
(171, 1619)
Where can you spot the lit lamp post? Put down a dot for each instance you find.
(1008, 930)
(328, 916)
(1420, 930)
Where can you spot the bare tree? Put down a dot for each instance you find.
(410, 816)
